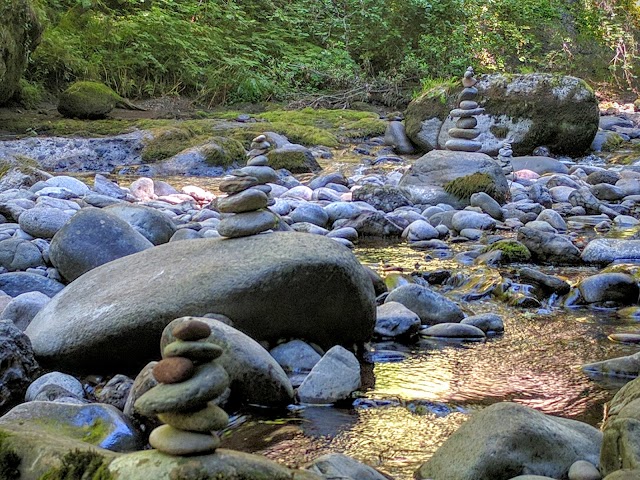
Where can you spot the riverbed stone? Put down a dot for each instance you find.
(245, 201)
(624, 367)
(191, 330)
(256, 377)
(547, 247)
(430, 306)
(92, 238)
(98, 424)
(583, 470)
(149, 222)
(467, 219)
(615, 287)
(197, 351)
(549, 284)
(115, 392)
(294, 158)
(91, 325)
(396, 320)
(374, 224)
(382, 197)
(208, 419)
(173, 441)
(454, 330)
(42, 222)
(247, 223)
(16, 283)
(333, 378)
(487, 322)
(603, 251)
(340, 466)
(529, 443)
(310, 213)
(19, 254)
(295, 356)
(420, 230)
(59, 379)
(173, 370)
(209, 381)
(21, 309)
(396, 137)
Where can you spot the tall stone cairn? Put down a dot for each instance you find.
(505, 154)
(464, 133)
(190, 381)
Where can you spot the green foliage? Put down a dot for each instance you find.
(464, 187)
(80, 465)
(29, 94)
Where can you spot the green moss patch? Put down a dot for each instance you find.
(223, 152)
(87, 100)
(9, 459)
(85, 465)
(463, 187)
(167, 142)
(512, 251)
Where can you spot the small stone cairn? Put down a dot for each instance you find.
(464, 133)
(504, 157)
(248, 195)
(190, 380)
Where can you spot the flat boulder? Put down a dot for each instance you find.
(533, 109)
(443, 176)
(603, 251)
(272, 286)
(506, 440)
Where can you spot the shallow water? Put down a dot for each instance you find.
(417, 395)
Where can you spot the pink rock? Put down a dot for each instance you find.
(143, 189)
(200, 194)
(526, 175)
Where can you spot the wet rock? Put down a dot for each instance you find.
(295, 356)
(333, 378)
(548, 247)
(149, 222)
(396, 137)
(58, 379)
(339, 466)
(430, 306)
(311, 213)
(386, 198)
(21, 309)
(396, 320)
(606, 250)
(247, 224)
(19, 254)
(487, 204)
(615, 287)
(529, 442)
(294, 158)
(549, 284)
(17, 283)
(454, 330)
(487, 322)
(18, 366)
(374, 224)
(625, 367)
(173, 441)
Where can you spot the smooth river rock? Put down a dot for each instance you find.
(271, 286)
(430, 306)
(603, 251)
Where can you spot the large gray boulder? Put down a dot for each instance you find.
(152, 224)
(92, 238)
(272, 286)
(428, 181)
(603, 251)
(256, 377)
(535, 109)
(20, 32)
(506, 440)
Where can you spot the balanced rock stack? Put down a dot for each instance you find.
(464, 133)
(259, 147)
(190, 380)
(504, 157)
(248, 199)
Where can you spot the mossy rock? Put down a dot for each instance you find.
(224, 152)
(534, 109)
(463, 187)
(512, 251)
(295, 158)
(167, 142)
(20, 31)
(87, 100)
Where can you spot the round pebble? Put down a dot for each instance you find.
(202, 351)
(170, 440)
(208, 419)
(191, 330)
(173, 370)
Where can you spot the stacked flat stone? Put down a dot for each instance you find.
(504, 157)
(190, 380)
(248, 198)
(464, 133)
(259, 146)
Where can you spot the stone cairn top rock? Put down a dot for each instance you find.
(248, 195)
(464, 133)
(185, 399)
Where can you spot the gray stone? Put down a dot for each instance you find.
(420, 230)
(255, 376)
(295, 356)
(18, 366)
(333, 378)
(92, 238)
(583, 470)
(553, 218)
(396, 137)
(540, 165)
(624, 367)
(396, 320)
(603, 251)
(264, 174)
(208, 419)
(149, 222)
(79, 422)
(615, 287)
(488, 205)
(294, 158)
(339, 466)
(43, 222)
(72, 184)
(549, 247)
(245, 201)
(507, 439)
(247, 223)
(21, 309)
(468, 219)
(547, 283)
(374, 224)
(19, 254)
(487, 322)
(541, 226)
(430, 306)
(382, 197)
(103, 186)
(91, 325)
(454, 330)
(16, 283)
(311, 213)
(170, 440)
(115, 392)
(59, 379)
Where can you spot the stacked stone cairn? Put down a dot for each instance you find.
(248, 195)
(464, 133)
(504, 157)
(190, 380)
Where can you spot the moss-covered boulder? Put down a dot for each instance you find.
(90, 100)
(19, 35)
(535, 109)
(512, 251)
(443, 176)
(295, 158)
